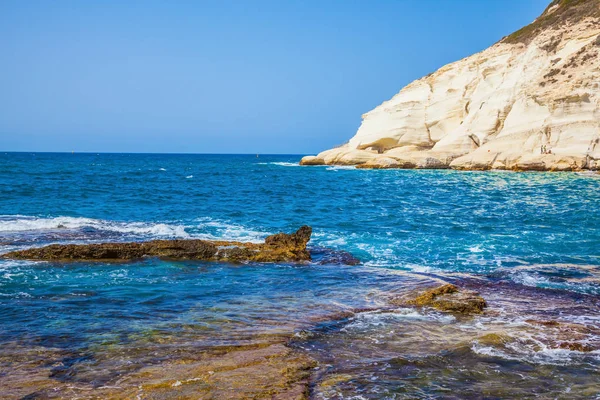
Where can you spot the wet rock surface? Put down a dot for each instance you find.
(269, 370)
(450, 298)
(278, 247)
(324, 256)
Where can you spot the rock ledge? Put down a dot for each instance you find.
(276, 248)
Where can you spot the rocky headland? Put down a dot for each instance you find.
(529, 102)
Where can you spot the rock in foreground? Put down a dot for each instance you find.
(276, 248)
(451, 299)
(267, 370)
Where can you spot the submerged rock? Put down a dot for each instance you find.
(451, 299)
(494, 339)
(268, 369)
(577, 346)
(324, 256)
(278, 247)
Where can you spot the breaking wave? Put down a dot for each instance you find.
(16, 224)
(281, 164)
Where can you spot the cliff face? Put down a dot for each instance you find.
(529, 102)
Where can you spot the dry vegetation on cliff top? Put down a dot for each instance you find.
(568, 11)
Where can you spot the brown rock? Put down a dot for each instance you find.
(269, 370)
(295, 241)
(279, 247)
(543, 323)
(575, 346)
(449, 298)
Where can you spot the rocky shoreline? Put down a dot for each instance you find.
(363, 159)
(265, 366)
(282, 366)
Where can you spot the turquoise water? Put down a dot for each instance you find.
(530, 237)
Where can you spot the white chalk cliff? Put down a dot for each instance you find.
(529, 102)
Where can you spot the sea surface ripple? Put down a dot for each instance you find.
(530, 242)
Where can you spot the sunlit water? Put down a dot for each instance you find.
(529, 242)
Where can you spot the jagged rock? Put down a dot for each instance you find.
(535, 91)
(450, 298)
(295, 242)
(278, 247)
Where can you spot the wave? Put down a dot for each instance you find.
(280, 163)
(340, 167)
(535, 350)
(569, 277)
(20, 223)
(376, 319)
(210, 229)
(20, 230)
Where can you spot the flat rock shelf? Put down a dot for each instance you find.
(280, 247)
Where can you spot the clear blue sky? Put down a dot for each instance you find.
(223, 76)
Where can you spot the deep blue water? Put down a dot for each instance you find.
(532, 230)
(400, 219)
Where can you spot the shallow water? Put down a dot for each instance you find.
(527, 241)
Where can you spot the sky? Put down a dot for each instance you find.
(260, 76)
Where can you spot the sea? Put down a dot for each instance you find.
(529, 243)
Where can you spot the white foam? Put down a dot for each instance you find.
(476, 249)
(538, 347)
(545, 355)
(375, 319)
(202, 228)
(529, 280)
(423, 269)
(19, 295)
(282, 164)
(9, 224)
(220, 230)
(335, 242)
(588, 173)
(189, 177)
(535, 279)
(8, 264)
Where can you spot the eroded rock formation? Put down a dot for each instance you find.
(529, 102)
